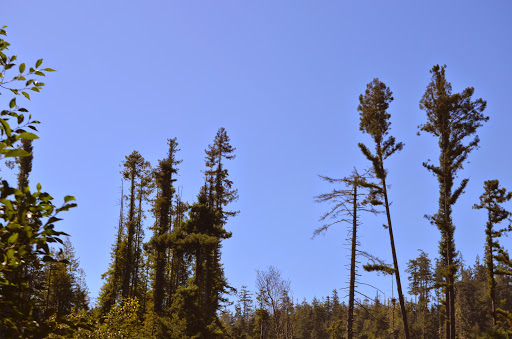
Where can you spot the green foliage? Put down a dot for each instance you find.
(373, 107)
(27, 218)
(378, 268)
(491, 200)
(453, 118)
(374, 120)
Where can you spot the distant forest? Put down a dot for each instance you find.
(170, 283)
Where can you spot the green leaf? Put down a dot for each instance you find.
(39, 62)
(39, 73)
(25, 94)
(12, 239)
(17, 152)
(38, 187)
(12, 103)
(15, 91)
(8, 204)
(48, 70)
(6, 127)
(28, 136)
(10, 253)
(69, 198)
(22, 68)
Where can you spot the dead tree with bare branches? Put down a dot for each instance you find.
(359, 195)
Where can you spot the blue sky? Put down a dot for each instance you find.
(283, 78)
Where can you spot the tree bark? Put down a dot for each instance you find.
(395, 262)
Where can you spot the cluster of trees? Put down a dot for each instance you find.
(271, 312)
(453, 118)
(171, 284)
(176, 277)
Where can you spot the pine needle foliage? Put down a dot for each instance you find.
(453, 118)
(374, 120)
(491, 200)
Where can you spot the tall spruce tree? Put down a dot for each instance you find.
(110, 291)
(373, 105)
(164, 179)
(491, 200)
(220, 193)
(359, 196)
(452, 118)
(135, 169)
(421, 283)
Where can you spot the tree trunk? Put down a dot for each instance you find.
(350, 314)
(129, 247)
(395, 261)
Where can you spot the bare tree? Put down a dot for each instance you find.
(360, 195)
(274, 298)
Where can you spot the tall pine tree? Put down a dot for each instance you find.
(452, 118)
(491, 200)
(373, 105)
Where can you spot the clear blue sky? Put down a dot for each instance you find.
(283, 78)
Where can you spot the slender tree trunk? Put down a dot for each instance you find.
(129, 247)
(395, 261)
(350, 313)
(138, 248)
(490, 269)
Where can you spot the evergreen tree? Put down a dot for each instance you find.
(124, 274)
(421, 283)
(245, 306)
(135, 168)
(491, 200)
(452, 118)
(110, 291)
(218, 193)
(374, 120)
(64, 283)
(164, 178)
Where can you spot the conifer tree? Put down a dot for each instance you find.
(452, 118)
(64, 283)
(374, 120)
(110, 291)
(135, 168)
(421, 282)
(491, 200)
(164, 179)
(220, 193)
(360, 196)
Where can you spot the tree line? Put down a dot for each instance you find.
(171, 283)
